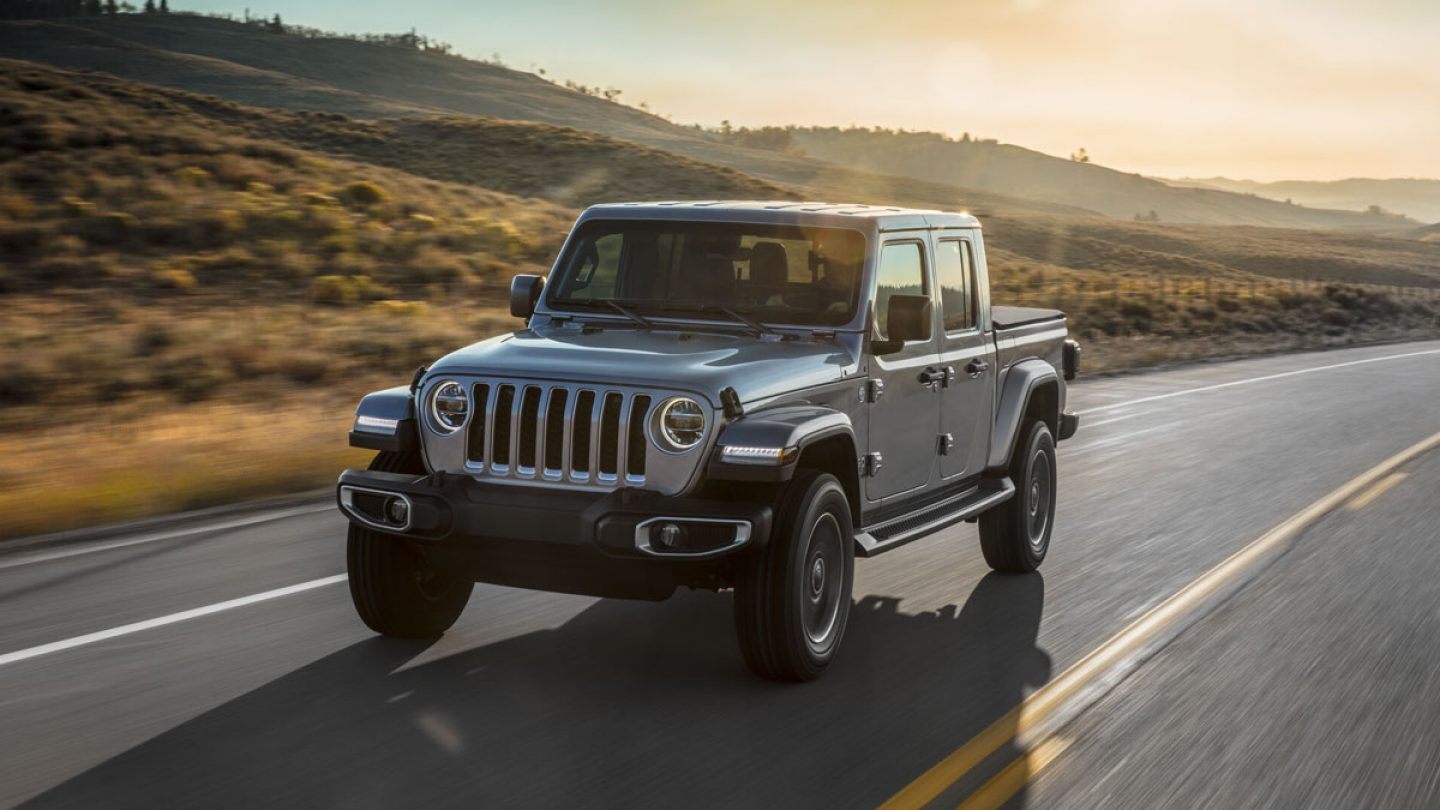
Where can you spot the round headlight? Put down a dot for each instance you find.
(681, 423)
(449, 406)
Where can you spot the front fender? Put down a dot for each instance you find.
(1022, 381)
(789, 427)
(385, 420)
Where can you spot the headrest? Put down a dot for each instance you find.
(769, 266)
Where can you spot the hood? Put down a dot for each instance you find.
(697, 361)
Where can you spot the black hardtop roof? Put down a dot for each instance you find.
(817, 214)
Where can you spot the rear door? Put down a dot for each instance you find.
(967, 355)
(904, 413)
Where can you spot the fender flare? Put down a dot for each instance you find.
(385, 420)
(786, 426)
(1022, 380)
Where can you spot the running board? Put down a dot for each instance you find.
(930, 518)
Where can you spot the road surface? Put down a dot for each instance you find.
(222, 665)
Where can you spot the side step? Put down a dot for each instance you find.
(898, 531)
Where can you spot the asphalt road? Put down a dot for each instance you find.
(540, 699)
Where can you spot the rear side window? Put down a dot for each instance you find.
(901, 271)
(955, 273)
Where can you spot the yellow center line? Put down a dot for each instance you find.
(1363, 499)
(1015, 776)
(1045, 701)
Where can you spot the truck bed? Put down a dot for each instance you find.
(1012, 317)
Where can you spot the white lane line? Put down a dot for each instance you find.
(1250, 380)
(1121, 418)
(1111, 441)
(173, 618)
(22, 558)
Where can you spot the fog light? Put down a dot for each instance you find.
(668, 535)
(398, 511)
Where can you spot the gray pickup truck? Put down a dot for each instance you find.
(717, 395)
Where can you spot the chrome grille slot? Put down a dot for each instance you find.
(529, 417)
(580, 454)
(557, 430)
(635, 445)
(500, 439)
(475, 441)
(559, 434)
(610, 436)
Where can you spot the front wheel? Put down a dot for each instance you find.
(1015, 535)
(394, 590)
(792, 595)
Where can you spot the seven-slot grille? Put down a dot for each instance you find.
(563, 433)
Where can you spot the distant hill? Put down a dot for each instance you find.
(1021, 172)
(1429, 233)
(1414, 197)
(249, 65)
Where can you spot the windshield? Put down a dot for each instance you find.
(776, 274)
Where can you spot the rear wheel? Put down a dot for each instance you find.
(395, 591)
(1016, 534)
(792, 595)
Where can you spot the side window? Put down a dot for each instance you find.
(901, 271)
(955, 273)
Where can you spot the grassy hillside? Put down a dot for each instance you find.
(203, 288)
(1021, 172)
(252, 66)
(1416, 198)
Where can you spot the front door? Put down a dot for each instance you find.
(905, 411)
(968, 356)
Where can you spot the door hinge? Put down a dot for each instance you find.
(870, 465)
(947, 443)
(872, 390)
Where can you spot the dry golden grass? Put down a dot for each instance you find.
(100, 468)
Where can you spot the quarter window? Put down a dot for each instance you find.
(955, 273)
(901, 272)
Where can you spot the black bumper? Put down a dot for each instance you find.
(558, 540)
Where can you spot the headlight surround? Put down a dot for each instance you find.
(449, 406)
(679, 425)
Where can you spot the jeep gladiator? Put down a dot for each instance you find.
(740, 396)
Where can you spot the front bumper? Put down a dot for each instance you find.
(604, 544)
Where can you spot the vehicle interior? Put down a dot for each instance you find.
(781, 275)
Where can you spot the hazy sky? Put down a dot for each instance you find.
(1262, 89)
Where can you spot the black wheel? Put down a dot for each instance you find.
(395, 592)
(1016, 534)
(792, 595)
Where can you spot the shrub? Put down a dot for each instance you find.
(173, 278)
(22, 381)
(363, 193)
(69, 271)
(153, 338)
(333, 290)
(391, 308)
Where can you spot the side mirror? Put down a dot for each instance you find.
(524, 294)
(907, 318)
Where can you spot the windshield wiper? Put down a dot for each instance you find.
(733, 314)
(760, 328)
(629, 313)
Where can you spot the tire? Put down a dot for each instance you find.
(792, 595)
(1015, 535)
(394, 591)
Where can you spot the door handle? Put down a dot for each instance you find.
(932, 377)
(975, 367)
